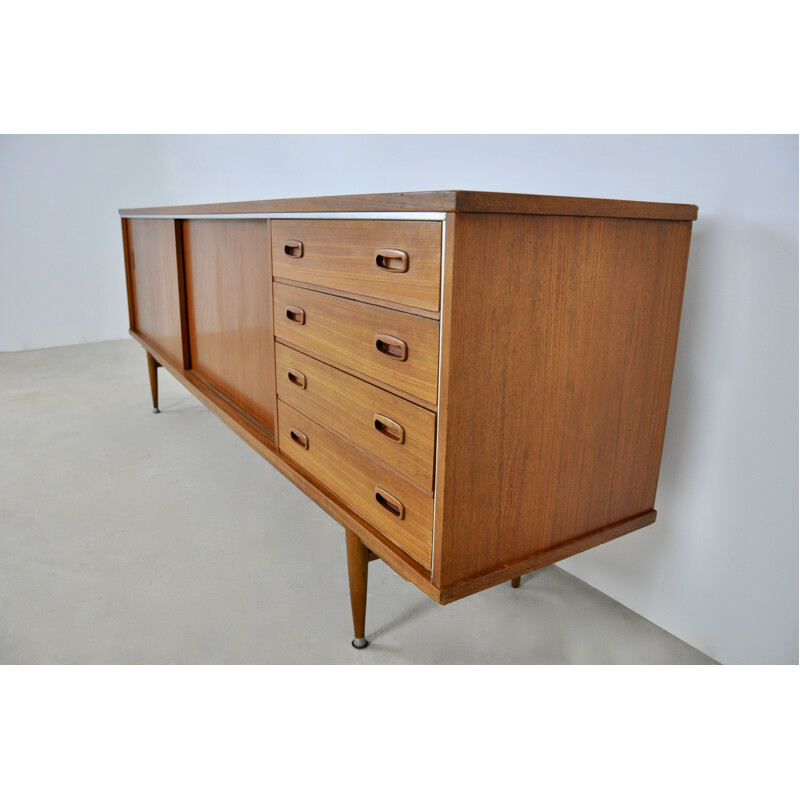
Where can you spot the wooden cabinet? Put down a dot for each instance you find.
(474, 384)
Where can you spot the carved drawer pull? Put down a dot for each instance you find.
(299, 437)
(296, 314)
(389, 502)
(389, 428)
(391, 260)
(391, 346)
(293, 248)
(297, 378)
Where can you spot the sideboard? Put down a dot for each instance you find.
(474, 384)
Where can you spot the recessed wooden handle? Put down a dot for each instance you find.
(389, 428)
(391, 346)
(293, 248)
(297, 378)
(391, 260)
(389, 502)
(296, 314)
(299, 437)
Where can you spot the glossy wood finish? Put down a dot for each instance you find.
(152, 370)
(344, 333)
(348, 406)
(229, 309)
(358, 574)
(481, 202)
(363, 485)
(344, 255)
(558, 332)
(156, 281)
(543, 558)
(379, 545)
(256, 437)
(375, 301)
(558, 368)
(127, 252)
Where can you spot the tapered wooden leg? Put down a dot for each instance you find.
(515, 583)
(357, 570)
(152, 367)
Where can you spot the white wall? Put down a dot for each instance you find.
(720, 566)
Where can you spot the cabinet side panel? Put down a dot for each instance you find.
(562, 337)
(154, 268)
(229, 303)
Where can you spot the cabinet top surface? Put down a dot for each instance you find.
(464, 201)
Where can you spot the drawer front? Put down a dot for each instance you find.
(389, 260)
(396, 509)
(397, 349)
(385, 426)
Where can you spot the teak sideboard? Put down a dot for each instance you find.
(473, 384)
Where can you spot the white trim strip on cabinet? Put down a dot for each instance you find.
(421, 216)
(438, 389)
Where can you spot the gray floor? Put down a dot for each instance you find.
(133, 538)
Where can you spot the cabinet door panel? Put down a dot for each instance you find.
(229, 305)
(155, 284)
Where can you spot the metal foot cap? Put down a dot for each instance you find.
(156, 410)
(360, 644)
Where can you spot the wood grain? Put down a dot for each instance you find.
(442, 415)
(256, 437)
(152, 371)
(229, 304)
(477, 202)
(358, 575)
(347, 406)
(399, 201)
(362, 299)
(156, 271)
(558, 363)
(505, 203)
(546, 557)
(384, 549)
(127, 251)
(558, 327)
(344, 333)
(354, 478)
(341, 254)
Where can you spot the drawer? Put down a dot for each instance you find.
(385, 426)
(389, 260)
(399, 350)
(396, 509)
